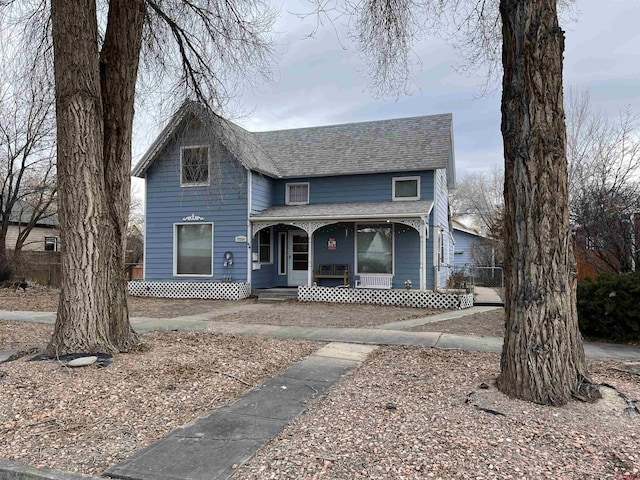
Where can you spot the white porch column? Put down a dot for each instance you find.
(310, 258)
(423, 256)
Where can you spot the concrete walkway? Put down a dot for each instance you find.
(486, 296)
(212, 446)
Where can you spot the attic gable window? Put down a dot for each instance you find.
(297, 194)
(406, 188)
(194, 166)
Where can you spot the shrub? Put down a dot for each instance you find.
(5, 273)
(609, 307)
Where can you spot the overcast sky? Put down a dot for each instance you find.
(318, 82)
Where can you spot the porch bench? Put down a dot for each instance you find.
(333, 270)
(374, 281)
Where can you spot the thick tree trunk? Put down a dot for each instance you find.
(92, 314)
(119, 70)
(543, 357)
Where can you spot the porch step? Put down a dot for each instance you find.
(276, 294)
(265, 298)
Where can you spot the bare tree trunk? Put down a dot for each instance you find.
(119, 70)
(543, 358)
(92, 314)
(4, 264)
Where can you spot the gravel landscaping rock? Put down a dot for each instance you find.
(432, 432)
(485, 324)
(83, 420)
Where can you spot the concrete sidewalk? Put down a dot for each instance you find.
(389, 334)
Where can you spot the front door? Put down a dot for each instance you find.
(298, 258)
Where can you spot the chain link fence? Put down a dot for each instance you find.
(466, 276)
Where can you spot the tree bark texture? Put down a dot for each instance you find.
(119, 60)
(543, 358)
(92, 314)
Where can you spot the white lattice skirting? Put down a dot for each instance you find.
(206, 290)
(404, 298)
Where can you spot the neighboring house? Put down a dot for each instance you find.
(45, 236)
(471, 247)
(280, 208)
(607, 249)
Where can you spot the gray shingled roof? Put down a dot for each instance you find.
(401, 144)
(21, 214)
(397, 145)
(346, 211)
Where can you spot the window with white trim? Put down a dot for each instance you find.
(194, 166)
(193, 249)
(374, 248)
(265, 242)
(282, 253)
(297, 194)
(406, 188)
(51, 244)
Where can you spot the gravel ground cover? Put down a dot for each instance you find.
(404, 415)
(42, 299)
(323, 314)
(485, 324)
(22, 335)
(242, 311)
(84, 420)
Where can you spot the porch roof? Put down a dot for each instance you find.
(346, 211)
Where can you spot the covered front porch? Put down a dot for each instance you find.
(383, 245)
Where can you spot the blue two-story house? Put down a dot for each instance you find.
(361, 205)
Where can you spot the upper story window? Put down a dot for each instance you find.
(297, 194)
(406, 188)
(194, 166)
(51, 244)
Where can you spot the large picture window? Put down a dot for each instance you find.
(374, 246)
(193, 244)
(194, 166)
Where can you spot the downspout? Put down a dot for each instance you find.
(249, 235)
(144, 234)
(435, 220)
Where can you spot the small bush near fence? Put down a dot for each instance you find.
(608, 307)
(42, 268)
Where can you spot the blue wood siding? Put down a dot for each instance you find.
(224, 203)
(263, 277)
(407, 256)
(463, 247)
(441, 224)
(343, 254)
(353, 188)
(261, 192)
